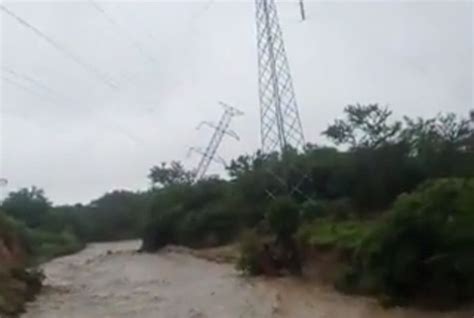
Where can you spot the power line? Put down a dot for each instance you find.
(191, 21)
(110, 123)
(41, 94)
(91, 69)
(133, 42)
(201, 12)
(38, 84)
(30, 91)
(26, 78)
(26, 89)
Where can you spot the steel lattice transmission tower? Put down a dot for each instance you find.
(221, 129)
(280, 121)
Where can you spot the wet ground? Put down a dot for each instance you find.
(111, 280)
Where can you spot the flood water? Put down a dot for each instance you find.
(111, 280)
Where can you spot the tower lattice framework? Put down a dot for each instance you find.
(221, 129)
(280, 121)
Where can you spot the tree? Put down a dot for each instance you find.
(116, 215)
(364, 127)
(240, 166)
(452, 129)
(442, 145)
(165, 175)
(27, 205)
(437, 133)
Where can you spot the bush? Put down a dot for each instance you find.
(162, 230)
(251, 249)
(39, 245)
(199, 215)
(346, 235)
(424, 249)
(17, 284)
(45, 245)
(311, 210)
(283, 216)
(209, 227)
(16, 288)
(12, 229)
(337, 209)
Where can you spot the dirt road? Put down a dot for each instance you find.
(111, 280)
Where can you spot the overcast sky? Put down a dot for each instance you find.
(130, 81)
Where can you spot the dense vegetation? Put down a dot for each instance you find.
(32, 231)
(395, 197)
(423, 247)
(42, 233)
(17, 284)
(394, 201)
(49, 231)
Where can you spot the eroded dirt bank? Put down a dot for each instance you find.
(111, 280)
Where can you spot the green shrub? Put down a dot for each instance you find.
(17, 284)
(339, 234)
(311, 210)
(209, 227)
(283, 216)
(424, 249)
(162, 230)
(13, 228)
(46, 245)
(16, 288)
(251, 248)
(339, 209)
(199, 215)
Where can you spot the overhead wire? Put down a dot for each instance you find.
(45, 89)
(77, 59)
(26, 89)
(120, 30)
(191, 30)
(128, 38)
(26, 78)
(67, 53)
(201, 12)
(35, 82)
(111, 124)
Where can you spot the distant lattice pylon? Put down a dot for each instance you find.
(221, 129)
(280, 123)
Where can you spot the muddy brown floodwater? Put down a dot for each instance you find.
(112, 280)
